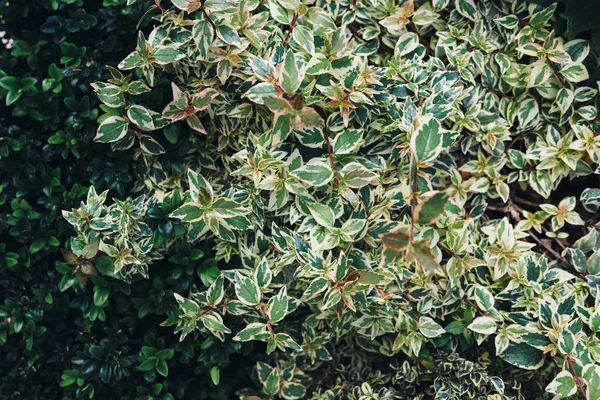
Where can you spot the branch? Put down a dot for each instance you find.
(413, 204)
(556, 73)
(210, 21)
(330, 154)
(424, 41)
(157, 4)
(485, 313)
(577, 378)
(289, 33)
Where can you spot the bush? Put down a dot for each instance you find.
(341, 200)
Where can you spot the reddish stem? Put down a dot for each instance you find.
(330, 154)
(157, 4)
(577, 378)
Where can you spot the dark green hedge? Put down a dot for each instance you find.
(57, 48)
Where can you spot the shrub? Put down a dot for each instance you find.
(337, 200)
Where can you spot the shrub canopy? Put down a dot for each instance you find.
(327, 200)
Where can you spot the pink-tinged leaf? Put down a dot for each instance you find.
(174, 111)
(194, 123)
(204, 98)
(310, 118)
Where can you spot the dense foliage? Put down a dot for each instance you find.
(268, 199)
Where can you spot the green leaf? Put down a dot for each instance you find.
(254, 331)
(314, 174)
(167, 54)
(429, 328)
(291, 74)
(292, 391)
(247, 290)
(563, 384)
(148, 364)
(426, 141)
(187, 306)
(216, 291)
(189, 212)
(348, 141)
(528, 113)
(229, 35)
(141, 117)
(483, 325)
(69, 376)
(112, 129)
(278, 305)
(430, 210)
(523, 356)
(215, 375)
(467, 9)
(162, 368)
(303, 36)
(323, 214)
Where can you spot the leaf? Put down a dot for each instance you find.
(303, 36)
(467, 9)
(247, 290)
(323, 214)
(422, 254)
(426, 141)
(563, 384)
(348, 141)
(523, 356)
(254, 331)
(215, 292)
(315, 174)
(483, 325)
(291, 74)
(528, 113)
(229, 35)
(167, 55)
(141, 117)
(430, 210)
(91, 249)
(215, 375)
(112, 129)
(278, 305)
(429, 328)
(187, 306)
(293, 391)
(575, 72)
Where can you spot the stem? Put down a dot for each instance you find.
(157, 4)
(556, 73)
(209, 19)
(330, 154)
(413, 204)
(263, 308)
(423, 41)
(577, 379)
(260, 4)
(289, 33)
(485, 313)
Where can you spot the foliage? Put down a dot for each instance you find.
(329, 200)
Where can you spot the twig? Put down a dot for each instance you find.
(413, 204)
(485, 313)
(209, 19)
(263, 308)
(330, 154)
(556, 73)
(577, 378)
(157, 4)
(424, 41)
(292, 26)
(527, 202)
(259, 5)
